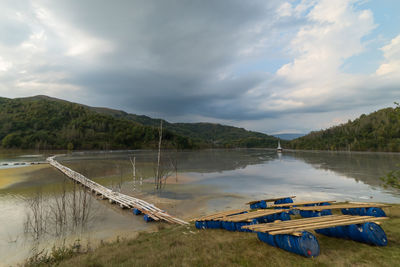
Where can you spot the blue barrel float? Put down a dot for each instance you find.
(136, 211)
(259, 205)
(372, 211)
(147, 218)
(215, 224)
(200, 224)
(311, 213)
(306, 245)
(369, 233)
(283, 216)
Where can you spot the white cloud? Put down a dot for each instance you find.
(313, 77)
(391, 53)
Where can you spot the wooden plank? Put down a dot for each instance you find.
(322, 226)
(219, 215)
(300, 203)
(281, 224)
(317, 223)
(342, 206)
(251, 215)
(268, 199)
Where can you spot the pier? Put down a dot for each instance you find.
(124, 201)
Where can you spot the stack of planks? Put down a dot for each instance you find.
(343, 206)
(249, 216)
(221, 215)
(296, 204)
(269, 200)
(124, 201)
(295, 227)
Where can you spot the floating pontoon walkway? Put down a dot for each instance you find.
(220, 215)
(17, 163)
(269, 200)
(295, 204)
(124, 201)
(249, 216)
(295, 227)
(343, 206)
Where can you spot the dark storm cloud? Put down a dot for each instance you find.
(169, 54)
(190, 60)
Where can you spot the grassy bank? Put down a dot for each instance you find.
(187, 246)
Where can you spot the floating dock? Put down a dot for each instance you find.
(124, 201)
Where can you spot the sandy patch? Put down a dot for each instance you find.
(11, 176)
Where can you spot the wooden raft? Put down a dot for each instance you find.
(124, 201)
(300, 204)
(268, 200)
(343, 206)
(219, 215)
(248, 217)
(295, 227)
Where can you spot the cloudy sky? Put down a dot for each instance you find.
(271, 66)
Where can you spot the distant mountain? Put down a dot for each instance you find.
(288, 136)
(50, 123)
(378, 131)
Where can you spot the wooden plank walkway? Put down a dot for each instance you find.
(269, 199)
(17, 163)
(343, 206)
(295, 227)
(124, 201)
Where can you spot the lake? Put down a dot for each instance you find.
(199, 182)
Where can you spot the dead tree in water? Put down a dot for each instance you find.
(157, 184)
(163, 169)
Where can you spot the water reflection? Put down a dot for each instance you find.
(208, 180)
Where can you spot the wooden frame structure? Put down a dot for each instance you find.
(290, 205)
(248, 217)
(269, 199)
(343, 206)
(295, 227)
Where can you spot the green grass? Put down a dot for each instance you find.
(187, 246)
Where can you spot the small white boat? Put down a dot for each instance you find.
(279, 148)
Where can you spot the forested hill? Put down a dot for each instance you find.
(42, 122)
(211, 134)
(378, 131)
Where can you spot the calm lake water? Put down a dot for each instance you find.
(207, 180)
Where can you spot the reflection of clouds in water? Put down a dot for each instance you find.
(294, 175)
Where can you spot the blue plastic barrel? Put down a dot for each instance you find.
(377, 212)
(345, 211)
(254, 206)
(214, 224)
(306, 245)
(239, 227)
(200, 225)
(230, 226)
(284, 216)
(147, 218)
(263, 204)
(374, 234)
(136, 211)
(326, 212)
(266, 238)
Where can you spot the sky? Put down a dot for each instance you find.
(269, 66)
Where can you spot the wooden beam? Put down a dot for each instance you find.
(268, 199)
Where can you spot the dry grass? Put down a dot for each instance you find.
(187, 246)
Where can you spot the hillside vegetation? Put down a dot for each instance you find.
(208, 134)
(47, 124)
(42, 122)
(378, 131)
